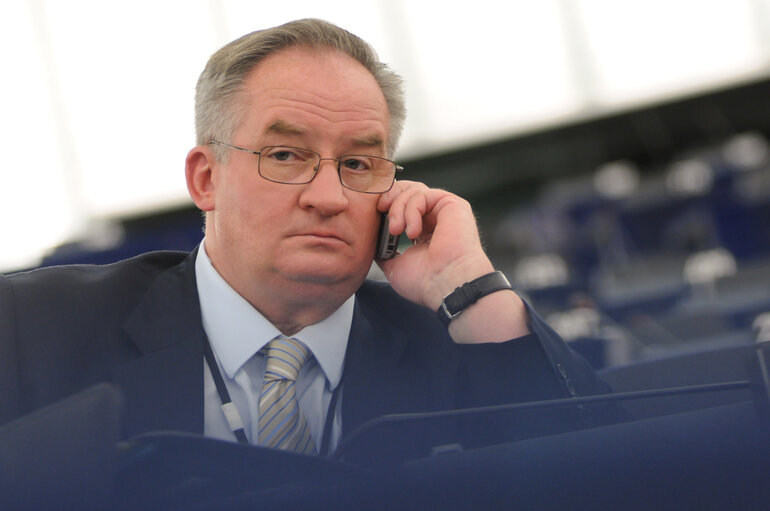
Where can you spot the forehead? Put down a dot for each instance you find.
(319, 92)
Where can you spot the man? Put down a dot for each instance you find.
(296, 127)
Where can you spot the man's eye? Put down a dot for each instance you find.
(356, 164)
(282, 155)
(287, 155)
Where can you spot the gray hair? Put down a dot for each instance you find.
(217, 112)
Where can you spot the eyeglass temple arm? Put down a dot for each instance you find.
(217, 142)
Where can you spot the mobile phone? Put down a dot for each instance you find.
(387, 244)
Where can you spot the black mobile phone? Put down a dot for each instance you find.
(387, 244)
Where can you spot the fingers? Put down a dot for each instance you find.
(447, 250)
(410, 207)
(395, 204)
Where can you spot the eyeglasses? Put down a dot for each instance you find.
(296, 166)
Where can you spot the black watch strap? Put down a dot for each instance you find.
(469, 293)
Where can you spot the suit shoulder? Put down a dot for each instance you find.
(148, 263)
(380, 293)
(381, 298)
(61, 281)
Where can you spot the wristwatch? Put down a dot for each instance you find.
(469, 293)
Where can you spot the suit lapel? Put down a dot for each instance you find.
(163, 388)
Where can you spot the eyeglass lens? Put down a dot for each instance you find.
(295, 166)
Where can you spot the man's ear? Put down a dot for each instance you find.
(199, 172)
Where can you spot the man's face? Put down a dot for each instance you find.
(314, 238)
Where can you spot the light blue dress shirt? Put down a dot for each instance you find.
(237, 331)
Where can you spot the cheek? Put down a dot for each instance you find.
(367, 220)
(373, 229)
(248, 214)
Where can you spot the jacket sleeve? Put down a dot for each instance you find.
(536, 367)
(575, 374)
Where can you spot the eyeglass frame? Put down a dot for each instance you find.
(397, 167)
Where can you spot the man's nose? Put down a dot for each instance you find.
(325, 192)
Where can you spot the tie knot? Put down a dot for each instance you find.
(285, 358)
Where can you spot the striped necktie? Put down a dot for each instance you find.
(281, 423)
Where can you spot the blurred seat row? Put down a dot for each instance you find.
(635, 264)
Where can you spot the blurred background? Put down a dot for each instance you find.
(615, 152)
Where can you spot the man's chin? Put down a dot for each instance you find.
(325, 276)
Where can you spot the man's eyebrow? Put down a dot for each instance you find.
(369, 141)
(284, 128)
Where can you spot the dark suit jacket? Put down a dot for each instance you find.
(137, 323)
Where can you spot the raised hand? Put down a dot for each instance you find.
(447, 252)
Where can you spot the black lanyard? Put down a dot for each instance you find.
(234, 419)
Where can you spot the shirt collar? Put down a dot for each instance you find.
(236, 330)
